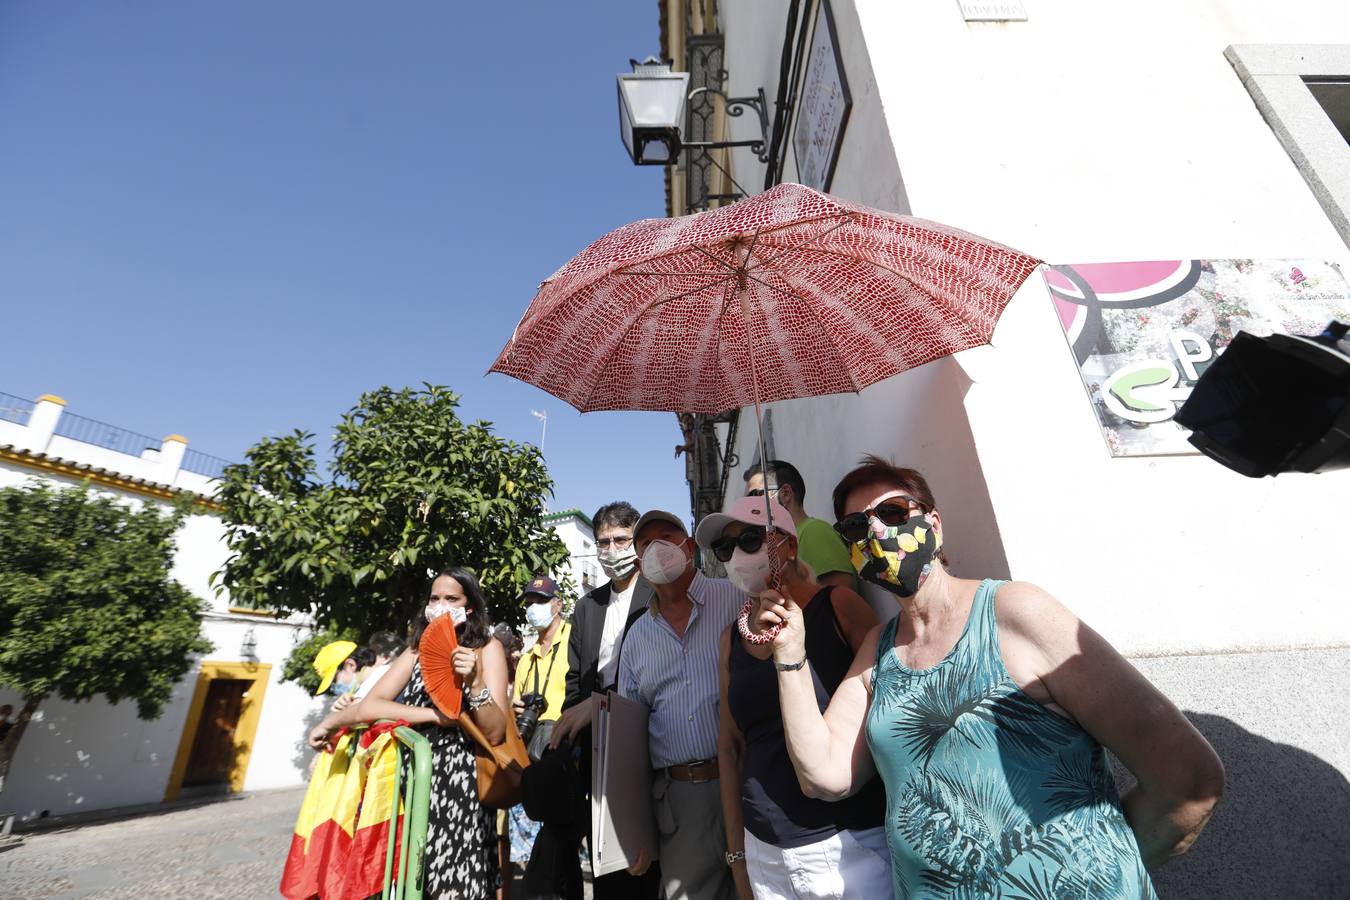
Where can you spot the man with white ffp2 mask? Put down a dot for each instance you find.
(670, 663)
(541, 674)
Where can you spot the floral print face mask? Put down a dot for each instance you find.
(898, 558)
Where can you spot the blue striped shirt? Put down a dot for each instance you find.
(677, 677)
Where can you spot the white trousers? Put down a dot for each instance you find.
(850, 864)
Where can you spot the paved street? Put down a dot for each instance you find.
(230, 848)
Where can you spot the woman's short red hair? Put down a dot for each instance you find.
(873, 470)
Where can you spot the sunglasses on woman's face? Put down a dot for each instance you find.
(749, 540)
(896, 511)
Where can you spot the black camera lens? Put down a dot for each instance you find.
(527, 720)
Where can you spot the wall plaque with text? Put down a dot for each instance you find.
(823, 109)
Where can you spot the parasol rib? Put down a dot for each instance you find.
(795, 247)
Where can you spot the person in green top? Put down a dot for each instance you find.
(818, 545)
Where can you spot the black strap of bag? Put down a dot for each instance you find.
(543, 729)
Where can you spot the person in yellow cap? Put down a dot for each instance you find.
(334, 663)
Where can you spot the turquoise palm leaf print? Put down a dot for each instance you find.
(1074, 784)
(990, 794)
(1039, 884)
(979, 714)
(956, 845)
(969, 831)
(1082, 794)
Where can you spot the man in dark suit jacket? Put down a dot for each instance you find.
(600, 621)
(588, 627)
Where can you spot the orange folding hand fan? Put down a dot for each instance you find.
(438, 670)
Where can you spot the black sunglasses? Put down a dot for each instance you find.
(749, 540)
(853, 527)
(759, 492)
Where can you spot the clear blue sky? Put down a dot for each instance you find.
(227, 220)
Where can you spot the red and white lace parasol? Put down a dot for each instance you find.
(791, 293)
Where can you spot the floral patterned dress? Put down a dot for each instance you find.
(990, 794)
(461, 856)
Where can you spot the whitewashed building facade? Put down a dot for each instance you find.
(83, 757)
(573, 527)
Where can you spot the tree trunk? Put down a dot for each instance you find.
(10, 745)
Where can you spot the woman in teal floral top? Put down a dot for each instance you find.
(985, 707)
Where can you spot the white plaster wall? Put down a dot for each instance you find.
(147, 467)
(1094, 128)
(1089, 133)
(79, 757)
(1095, 133)
(12, 433)
(201, 550)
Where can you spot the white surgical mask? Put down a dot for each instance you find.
(749, 571)
(539, 615)
(664, 562)
(619, 563)
(457, 614)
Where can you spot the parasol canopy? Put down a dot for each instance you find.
(792, 292)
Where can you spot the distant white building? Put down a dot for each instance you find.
(574, 529)
(232, 724)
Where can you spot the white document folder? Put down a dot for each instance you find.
(622, 822)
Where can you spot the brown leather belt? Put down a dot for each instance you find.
(698, 771)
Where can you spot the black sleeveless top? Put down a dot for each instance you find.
(772, 803)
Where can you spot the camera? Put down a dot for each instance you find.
(527, 720)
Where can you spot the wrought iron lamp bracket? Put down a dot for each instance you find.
(736, 107)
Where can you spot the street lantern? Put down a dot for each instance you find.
(651, 111)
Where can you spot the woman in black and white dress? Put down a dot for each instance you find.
(461, 855)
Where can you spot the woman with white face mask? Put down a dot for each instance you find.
(461, 848)
(786, 844)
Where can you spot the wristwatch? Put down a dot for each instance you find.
(735, 856)
(789, 667)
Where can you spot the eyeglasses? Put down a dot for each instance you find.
(749, 540)
(760, 492)
(895, 511)
(617, 543)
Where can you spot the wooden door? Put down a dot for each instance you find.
(213, 747)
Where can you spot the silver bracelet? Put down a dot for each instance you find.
(479, 699)
(789, 667)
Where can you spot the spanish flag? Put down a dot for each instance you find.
(378, 820)
(322, 841)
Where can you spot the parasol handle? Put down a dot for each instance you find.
(743, 620)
